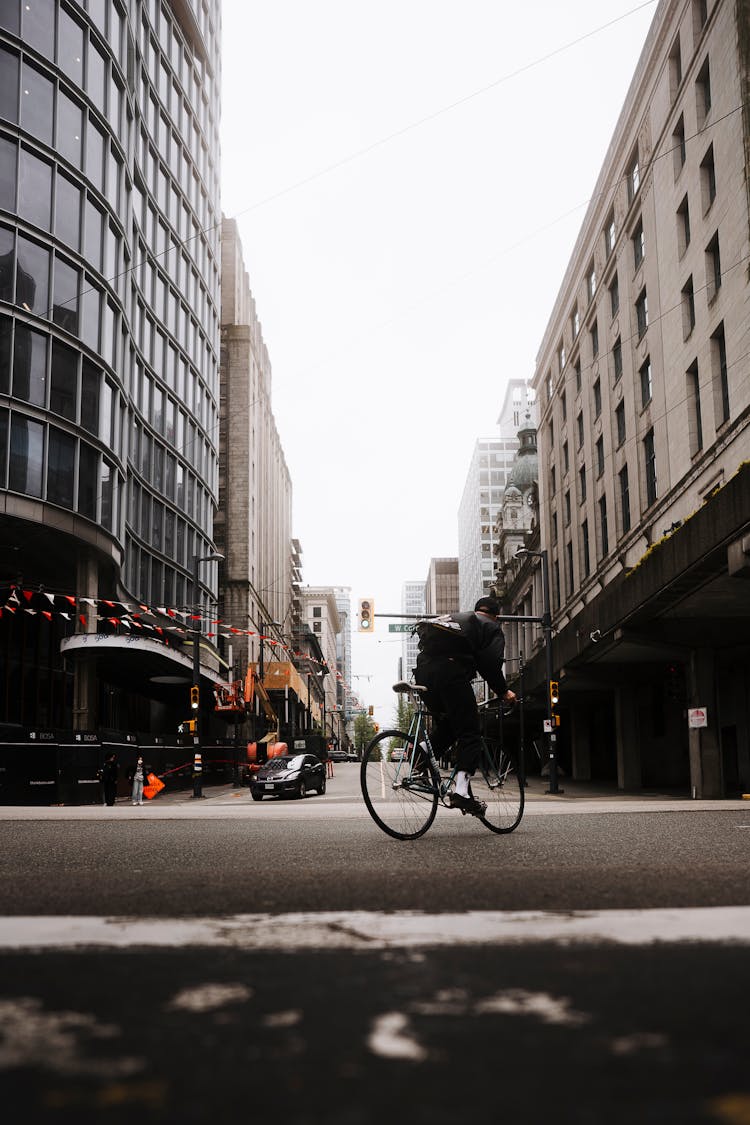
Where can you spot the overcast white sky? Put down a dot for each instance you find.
(405, 256)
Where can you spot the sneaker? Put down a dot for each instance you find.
(467, 805)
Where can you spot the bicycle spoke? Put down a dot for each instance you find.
(400, 801)
(496, 782)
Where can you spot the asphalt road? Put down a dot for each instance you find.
(353, 1022)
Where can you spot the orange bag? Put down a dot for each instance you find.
(155, 785)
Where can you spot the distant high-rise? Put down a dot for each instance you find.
(412, 602)
(482, 497)
(441, 587)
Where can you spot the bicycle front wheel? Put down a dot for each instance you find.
(400, 801)
(497, 783)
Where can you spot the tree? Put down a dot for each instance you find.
(364, 731)
(404, 713)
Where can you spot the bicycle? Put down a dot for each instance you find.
(402, 782)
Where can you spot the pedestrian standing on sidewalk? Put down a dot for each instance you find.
(109, 779)
(139, 777)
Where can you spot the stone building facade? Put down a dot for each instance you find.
(643, 386)
(254, 521)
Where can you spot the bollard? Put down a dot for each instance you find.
(197, 776)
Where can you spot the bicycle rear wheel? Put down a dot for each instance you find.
(497, 783)
(401, 803)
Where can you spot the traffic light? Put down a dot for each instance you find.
(366, 615)
(554, 692)
(195, 695)
(376, 727)
(371, 710)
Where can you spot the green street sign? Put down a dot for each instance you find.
(405, 628)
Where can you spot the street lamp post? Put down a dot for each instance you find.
(546, 623)
(196, 689)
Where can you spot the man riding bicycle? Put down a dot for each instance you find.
(453, 650)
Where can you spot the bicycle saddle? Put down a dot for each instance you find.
(402, 686)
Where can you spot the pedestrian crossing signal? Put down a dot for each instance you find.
(366, 615)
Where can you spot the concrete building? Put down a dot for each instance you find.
(412, 602)
(441, 586)
(344, 702)
(254, 521)
(109, 359)
(643, 383)
(320, 615)
(483, 494)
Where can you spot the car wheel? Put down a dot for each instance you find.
(322, 787)
(302, 791)
(257, 796)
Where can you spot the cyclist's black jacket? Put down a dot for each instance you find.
(473, 641)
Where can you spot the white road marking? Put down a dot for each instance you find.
(546, 1008)
(380, 932)
(55, 1041)
(391, 1037)
(210, 997)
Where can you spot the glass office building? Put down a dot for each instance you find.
(109, 343)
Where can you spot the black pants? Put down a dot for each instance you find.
(451, 701)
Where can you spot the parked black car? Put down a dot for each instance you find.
(291, 775)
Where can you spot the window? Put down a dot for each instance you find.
(720, 376)
(30, 365)
(675, 69)
(67, 211)
(617, 359)
(585, 548)
(564, 405)
(649, 463)
(633, 177)
(603, 528)
(703, 93)
(620, 422)
(597, 398)
(561, 357)
(567, 508)
(600, 456)
(646, 386)
(61, 455)
(317, 611)
(35, 190)
(594, 340)
(609, 234)
(552, 481)
(69, 128)
(688, 308)
(582, 484)
(566, 458)
(693, 400)
(614, 296)
(569, 568)
(683, 227)
(65, 296)
(639, 244)
(36, 103)
(679, 153)
(32, 277)
(63, 381)
(578, 376)
(708, 179)
(579, 429)
(554, 527)
(641, 313)
(700, 17)
(26, 456)
(575, 322)
(591, 282)
(713, 267)
(622, 477)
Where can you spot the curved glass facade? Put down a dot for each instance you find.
(109, 283)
